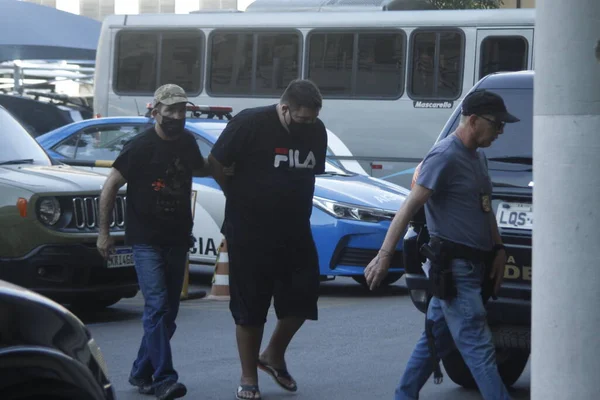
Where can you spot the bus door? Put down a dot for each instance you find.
(503, 50)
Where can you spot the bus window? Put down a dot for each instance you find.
(330, 62)
(231, 63)
(181, 60)
(250, 64)
(380, 65)
(138, 61)
(277, 62)
(437, 60)
(503, 54)
(368, 65)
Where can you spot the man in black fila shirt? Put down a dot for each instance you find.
(277, 151)
(157, 166)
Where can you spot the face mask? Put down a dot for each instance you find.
(172, 126)
(297, 128)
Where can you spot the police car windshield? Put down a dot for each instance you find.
(18, 146)
(515, 144)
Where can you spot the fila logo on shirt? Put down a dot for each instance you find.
(292, 157)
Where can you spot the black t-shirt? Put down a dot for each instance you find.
(270, 195)
(159, 187)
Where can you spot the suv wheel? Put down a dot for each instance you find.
(511, 363)
(388, 280)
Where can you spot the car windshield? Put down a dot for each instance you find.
(516, 143)
(18, 146)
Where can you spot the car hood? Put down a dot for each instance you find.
(57, 178)
(360, 190)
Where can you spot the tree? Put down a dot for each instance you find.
(442, 4)
(466, 4)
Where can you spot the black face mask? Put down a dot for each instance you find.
(172, 126)
(296, 128)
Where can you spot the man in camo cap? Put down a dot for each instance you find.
(157, 165)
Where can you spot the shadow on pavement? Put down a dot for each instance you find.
(115, 313)
(349, 288)
(516, 393)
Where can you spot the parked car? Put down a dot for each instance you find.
(49, 220)
(38, 117)
(510, 161)
(46, 352)
(351, 212)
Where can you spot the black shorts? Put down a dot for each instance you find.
(288, 274)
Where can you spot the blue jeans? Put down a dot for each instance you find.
(459, 323)
(160, 272)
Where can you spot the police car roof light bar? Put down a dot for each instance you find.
(197, 111)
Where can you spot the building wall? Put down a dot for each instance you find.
(218, 4)
(98, 9)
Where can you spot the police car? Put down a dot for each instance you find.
(510, 164)
(351, 210)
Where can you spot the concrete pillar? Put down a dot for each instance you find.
(566, 201)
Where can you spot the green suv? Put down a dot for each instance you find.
(49, 226)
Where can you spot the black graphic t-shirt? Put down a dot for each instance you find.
(159, 187)
(270, 195)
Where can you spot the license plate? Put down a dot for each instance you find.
(515, 215)
(122, 257)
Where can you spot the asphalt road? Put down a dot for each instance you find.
(357, 350)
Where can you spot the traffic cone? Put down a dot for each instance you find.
(220, 282)
(186, 294)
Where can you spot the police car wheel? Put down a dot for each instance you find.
(511, 363)
(388, 280)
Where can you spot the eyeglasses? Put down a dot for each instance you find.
(496, 124)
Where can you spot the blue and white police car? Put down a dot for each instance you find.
(351, 214)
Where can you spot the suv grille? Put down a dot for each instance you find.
(86, 212)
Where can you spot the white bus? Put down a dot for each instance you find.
(389, 79)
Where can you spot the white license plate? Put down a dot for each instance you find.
(515, 215)
(122, 257)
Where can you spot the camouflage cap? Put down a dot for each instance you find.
(170, 94)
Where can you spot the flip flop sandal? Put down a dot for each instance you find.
(248, 388)
(277, 374)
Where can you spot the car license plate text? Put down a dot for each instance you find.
(122, 257)
(515, 215)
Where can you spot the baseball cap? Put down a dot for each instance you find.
(484, 102)
(170, 94)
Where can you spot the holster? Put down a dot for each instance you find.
(487, 286)
(441, 281)
(440, 254)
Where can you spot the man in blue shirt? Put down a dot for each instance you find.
(454, 186)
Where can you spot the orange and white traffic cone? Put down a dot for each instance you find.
(220, 282)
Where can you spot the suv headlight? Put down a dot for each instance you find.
(49, 210)
(352, 212)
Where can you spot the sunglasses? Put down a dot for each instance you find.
(496, 124)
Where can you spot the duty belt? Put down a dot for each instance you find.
(458, 250)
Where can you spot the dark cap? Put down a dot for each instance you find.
(482, 102)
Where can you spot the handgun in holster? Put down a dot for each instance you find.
(441, 286)
(441, 281)
(487, 286)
